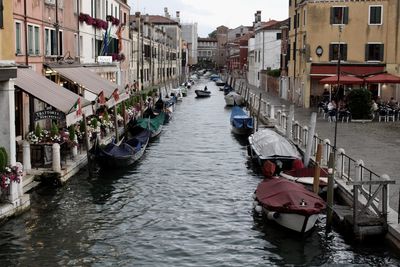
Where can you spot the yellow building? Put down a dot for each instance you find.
(7, 51)
(368, 34)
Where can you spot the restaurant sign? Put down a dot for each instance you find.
(49, 114)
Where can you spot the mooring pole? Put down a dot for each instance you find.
(87, 143)
(331, 178)
(116, 124)
(317, 169)
(258, 111)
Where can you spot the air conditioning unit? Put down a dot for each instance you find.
(50, 2)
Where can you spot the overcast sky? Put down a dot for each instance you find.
(209, 14)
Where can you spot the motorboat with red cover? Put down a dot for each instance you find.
(288, 203)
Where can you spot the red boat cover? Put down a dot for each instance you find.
(281, 195)
(308, 172)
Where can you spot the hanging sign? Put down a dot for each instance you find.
(49, 114)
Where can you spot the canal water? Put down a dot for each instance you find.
(188, 202)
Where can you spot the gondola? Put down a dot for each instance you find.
(202, 93)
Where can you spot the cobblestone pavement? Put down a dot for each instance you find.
(376, 143)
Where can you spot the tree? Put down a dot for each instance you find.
(213, 34)
(359, 101)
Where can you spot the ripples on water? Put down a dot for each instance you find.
(186, 203)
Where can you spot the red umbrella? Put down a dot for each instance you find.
(344, 79)
(383, 78)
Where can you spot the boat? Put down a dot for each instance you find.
(267, 144)
(177, 92)
(151, 121)
(122, 154)
(305, 176)
(219, 82)
(227, 89)
(242, 124)
(233, 98)
(288, 203)
(202, 93)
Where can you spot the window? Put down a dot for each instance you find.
(106, 7)
(334, 52)
(278, 36)
(18, 38)
(33, 40)
(50, 42)
(375, 15)
(339, 15)
(1, 15)
(116, 12)
(374, 52)
(112, 8)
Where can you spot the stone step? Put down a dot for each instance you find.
(30, 186)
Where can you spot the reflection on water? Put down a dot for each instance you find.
(188, 202)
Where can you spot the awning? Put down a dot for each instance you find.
(383, 78)
(320, 70)
(93, 83)
(343, 79)
(56, 96)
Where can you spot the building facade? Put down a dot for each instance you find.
(189, 34)
(319, 28)
(207, 52)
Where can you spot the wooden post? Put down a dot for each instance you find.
(317, 169)
(116, 124)
(289, 123)
(258, 112)
(87, 144)
(311, 133)
(124, 115)
(331, 177)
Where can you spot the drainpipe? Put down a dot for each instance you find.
(79, 38)
(57, 31)
(26, 35)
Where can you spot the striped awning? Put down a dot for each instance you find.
(94, 83)
(54, 95)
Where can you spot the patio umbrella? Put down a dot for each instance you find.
(383, 78)
(344, 79)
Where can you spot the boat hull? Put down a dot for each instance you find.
(202, 93)
(295, 222)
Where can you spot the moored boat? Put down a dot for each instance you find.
(267, 144)
(288, 203)
(242, 124)
(233, 98)
(202, 93)
(123, 154)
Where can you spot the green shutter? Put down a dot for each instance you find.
(366, 52)
(1, 14)
(37, 46)
(344, 52)
(346, 15)
(332, 15)
(331, 52)
(17, 38)
(381, 52)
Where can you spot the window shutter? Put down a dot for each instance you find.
(381, 52)
(332, 15)
(1, 14)
(331, 52)
(344, 52)
(366, 52)
(346, 15)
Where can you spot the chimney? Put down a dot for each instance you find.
(166, 13)
(258, 16)
(137, 20)
(178, 16)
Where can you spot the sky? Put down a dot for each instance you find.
(209, 14)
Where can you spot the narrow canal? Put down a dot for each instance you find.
(188, 202)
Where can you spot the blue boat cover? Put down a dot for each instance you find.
(239, 118)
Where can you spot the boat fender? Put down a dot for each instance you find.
(255, 203)
(249, 151)
(273, 215)
(258, 209)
